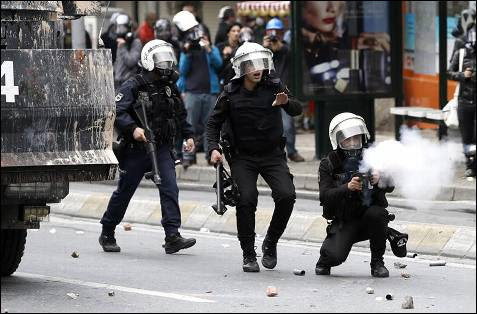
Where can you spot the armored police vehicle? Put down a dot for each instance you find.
(57, 115)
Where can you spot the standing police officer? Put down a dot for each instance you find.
(354, 204)
(154, 87)
(249, 110)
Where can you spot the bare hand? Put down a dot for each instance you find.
(280, 99)
(266, 42)
(120, 41)
(190, 146)
(216, 156)
(374, 41)
(138, 135)
(355, 184)
(375, 176)
(206, 44)
(468, 72)
(227, 50)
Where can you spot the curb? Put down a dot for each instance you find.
(393, 201)
(305, 184)
(441, 240)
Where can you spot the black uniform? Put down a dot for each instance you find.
(254, 129)
(353, 219)
(166, 116)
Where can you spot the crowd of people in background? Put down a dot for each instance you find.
(204, 66)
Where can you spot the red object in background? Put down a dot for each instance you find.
(145, 33)
(312, 106)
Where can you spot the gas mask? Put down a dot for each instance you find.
(352, 147)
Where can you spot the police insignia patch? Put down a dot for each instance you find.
(119, 97)
(168, 91)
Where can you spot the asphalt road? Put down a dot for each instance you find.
(208, 277)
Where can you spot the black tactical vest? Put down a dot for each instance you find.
(162, 107)
(257, 126)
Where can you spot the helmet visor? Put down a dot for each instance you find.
(346, 133)
(352, 143)
(164, 58)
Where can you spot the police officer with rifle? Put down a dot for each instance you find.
(353, 202)
(149, 114)
(249, 114)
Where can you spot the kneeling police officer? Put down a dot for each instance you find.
(151, 92)
(249, 114)
(354, 202)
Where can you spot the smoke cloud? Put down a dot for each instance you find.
(418, 167)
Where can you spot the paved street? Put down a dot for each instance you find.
(208, 277)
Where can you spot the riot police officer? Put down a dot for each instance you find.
(353, 202)
(249, 109)
(154, 88)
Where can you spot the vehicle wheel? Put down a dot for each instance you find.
(13, 245)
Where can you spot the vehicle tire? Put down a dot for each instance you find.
(13, 245)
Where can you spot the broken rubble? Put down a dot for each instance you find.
(75, 254)
(72, 295)
(299, 272)
(127, 227)
(111, 293)
(369, 290)
(405, 275)
(399, 265)
(408, 303)
(272, 291)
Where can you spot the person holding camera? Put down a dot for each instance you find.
(249, 113)
(354, 202)
(273, 40)
(128, 51)
(199, 66)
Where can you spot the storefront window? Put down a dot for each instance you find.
(346, 47)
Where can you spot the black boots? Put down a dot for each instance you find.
(108, 242)
(176, 242)
(322, 270)
(378, 269)
(269, 257)
(250, 264)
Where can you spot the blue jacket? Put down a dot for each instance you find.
(215, 62)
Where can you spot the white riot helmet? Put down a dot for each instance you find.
(184, 20)
(158, 54)
(251, 57)
(344, 126)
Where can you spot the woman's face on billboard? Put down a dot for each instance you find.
(322, 15)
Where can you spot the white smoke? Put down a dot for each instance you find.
(418, 167)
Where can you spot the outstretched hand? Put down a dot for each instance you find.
(280, 99)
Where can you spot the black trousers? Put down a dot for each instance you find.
(341, 235)
(466, 115)
(274, 170)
